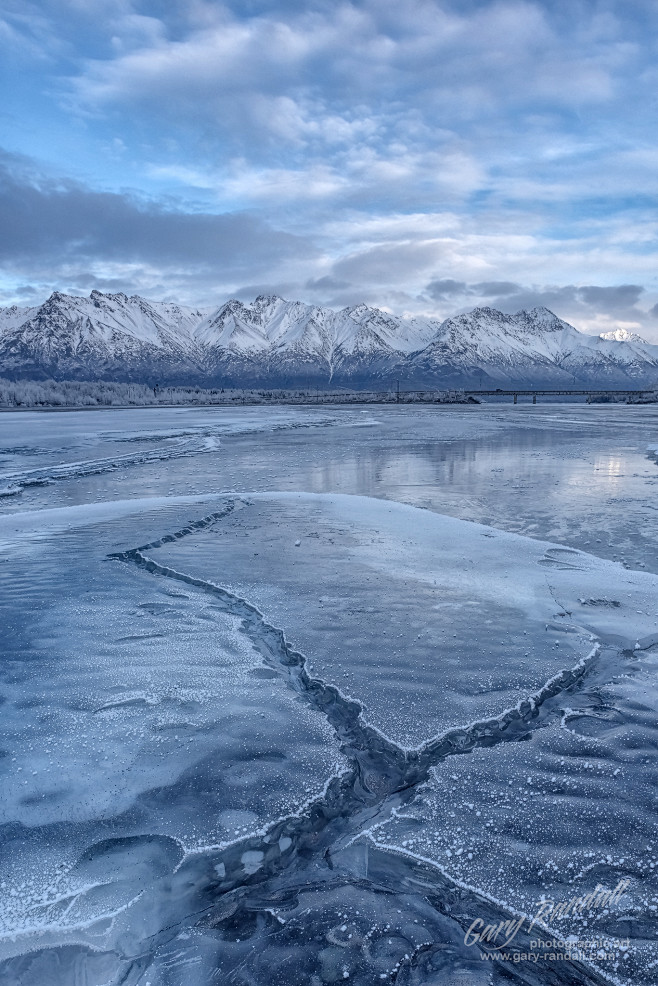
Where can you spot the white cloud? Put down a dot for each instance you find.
(402, 143)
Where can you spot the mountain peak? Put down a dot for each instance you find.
(540, 319)
(358, 311)
(97, 296)
(267, 299)
(488, 312)
(540, 311)
(622, 335)
(231, 306)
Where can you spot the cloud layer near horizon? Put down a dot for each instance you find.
(425, 157)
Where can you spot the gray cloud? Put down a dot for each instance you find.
(441, 290)
(621, 296)
(248, 292)
(581, 303)
(498, 289)
(573, 302)
(447, 288)
(26, 291)
(326, 283)
(558, 299)
(85, 280)
(388, 263)
(51, 223)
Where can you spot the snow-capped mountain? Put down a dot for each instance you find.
(290, 342)
(282, 343)
(107, 336)
(623, 335)
(531, 347)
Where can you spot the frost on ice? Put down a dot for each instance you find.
(233, 722)
(428, 621)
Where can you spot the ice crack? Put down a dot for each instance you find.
(382, 774)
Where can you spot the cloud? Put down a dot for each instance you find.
(497, 289)
(326, 283)
(26, 290)
(60, 225)
(559, 299)
(458, 59)
(621, 296)
(59, 233)
(591, 307)
(425, 156)
(586, 301)
(389, 263)
(373, 101)
(441, 290)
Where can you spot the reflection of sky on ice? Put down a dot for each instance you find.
(78, 446)
(529, 470)
(129, 703)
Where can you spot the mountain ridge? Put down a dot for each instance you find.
(274, 342)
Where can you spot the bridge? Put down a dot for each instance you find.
(517, 392)
(439, 395)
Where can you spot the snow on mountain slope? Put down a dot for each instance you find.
(11, 318)
(272, 338)
(623, 335)
(271, 321)
(104, 335)
(531, 346)
(594, 357)
(275, 342)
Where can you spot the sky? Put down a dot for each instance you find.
(424, 156)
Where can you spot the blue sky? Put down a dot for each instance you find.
(424, 156)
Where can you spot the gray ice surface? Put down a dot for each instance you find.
(181, 806)
(132, 710)
(568, 813)
(429, 622)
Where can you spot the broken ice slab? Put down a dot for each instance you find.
(318, 926)
(140, 723)
(429, 622)
(568, 816)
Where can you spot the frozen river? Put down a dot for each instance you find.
(294, 696)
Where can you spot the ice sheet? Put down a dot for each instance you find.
(550, 820)
(66, 441)
(108, 659)
(35, 525)
(428, 621)
(140, 722)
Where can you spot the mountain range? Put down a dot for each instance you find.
(272, 342)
